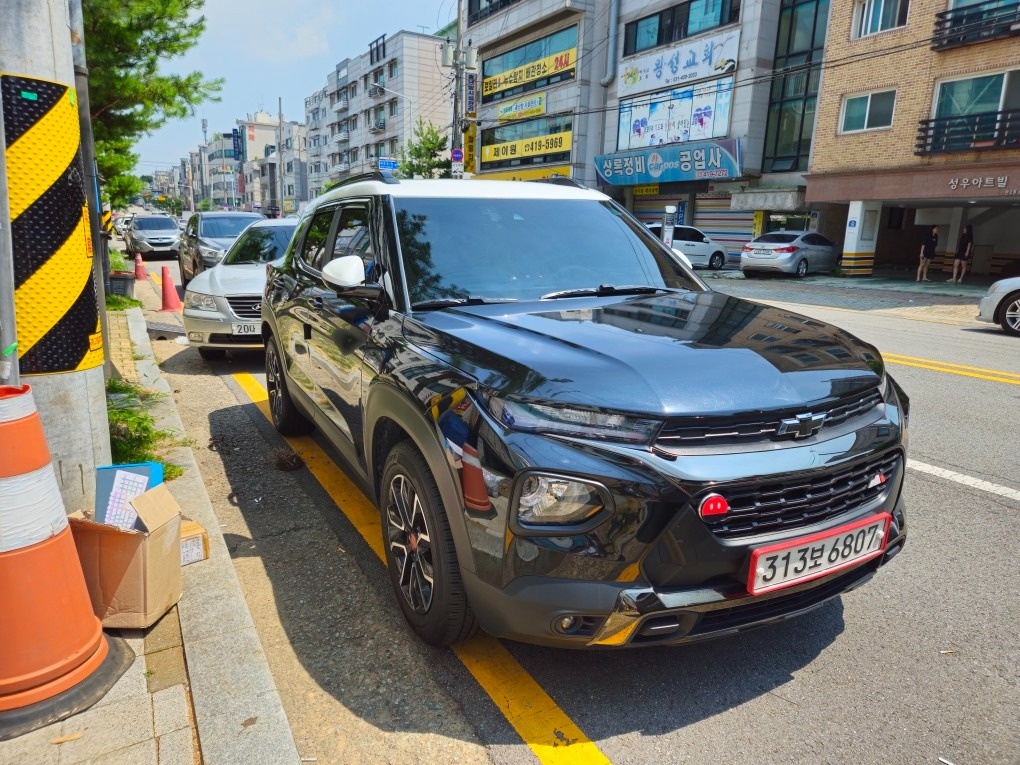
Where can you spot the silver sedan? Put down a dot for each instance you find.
(1001, 305)
(788, 252)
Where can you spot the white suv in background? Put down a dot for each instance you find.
(696, 245)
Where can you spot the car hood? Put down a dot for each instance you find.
(240, 279)
(219, 242)
(158, 234)
(662, 354)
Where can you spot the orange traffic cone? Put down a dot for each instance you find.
(54, 658)
(140, 272)
(170, 300)
(476, 496)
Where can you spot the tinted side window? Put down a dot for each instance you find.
(315, 246)
(352, 229)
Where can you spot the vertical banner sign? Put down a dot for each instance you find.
(55, 298)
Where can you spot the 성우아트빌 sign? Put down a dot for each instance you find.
(672, 163)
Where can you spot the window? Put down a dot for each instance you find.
(314, 247)
(393, 69)
(692, 113)
(800, 46)
(354, 122)
(353, 223)
(290, 167)
(976, 112)
(514, 72)
(479, 9)
(393, 108)
(868, 112)
(527, 142)
(871, 16)
(678, 22)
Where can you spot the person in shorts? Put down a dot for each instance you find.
(964, 251)
(931, 244)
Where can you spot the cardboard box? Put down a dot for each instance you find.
(194, 542)
(134, 575)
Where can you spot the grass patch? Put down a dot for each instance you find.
(121, 303)
(119, 261)
(134, 436)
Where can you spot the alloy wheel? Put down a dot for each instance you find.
(410, 543)
(1011, 314)
(274, 379)
(802, 268)
(716, 262)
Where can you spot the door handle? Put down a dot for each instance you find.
(317, 301)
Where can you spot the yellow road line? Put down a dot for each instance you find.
(157, 279)
(953, 369)
(996, 372)
(545, 728)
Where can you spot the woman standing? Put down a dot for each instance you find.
(963, 253)
(931, 243)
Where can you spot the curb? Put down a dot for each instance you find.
(238, 712)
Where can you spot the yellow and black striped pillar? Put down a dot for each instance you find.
(106, 222)
(55, 299)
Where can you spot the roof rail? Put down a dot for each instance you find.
(383, 176)
(560, 180)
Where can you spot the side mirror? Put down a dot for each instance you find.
(347, 276)
(706, 240)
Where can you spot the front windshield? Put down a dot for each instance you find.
(522, 249)
(260, 244)
(226, 226)
(155, 224)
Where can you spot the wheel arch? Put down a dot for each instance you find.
(1001, 306)
(389, 419)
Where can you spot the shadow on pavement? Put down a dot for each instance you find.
(338, 614)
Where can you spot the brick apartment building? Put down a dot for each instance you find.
(918, 124)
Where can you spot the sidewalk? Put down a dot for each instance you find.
(200, 689)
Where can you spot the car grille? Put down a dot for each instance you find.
(711, 430)
(246, 306)
(801, 500)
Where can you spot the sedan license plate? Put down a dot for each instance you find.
(762, 252)
(247, 328)
(787, 563)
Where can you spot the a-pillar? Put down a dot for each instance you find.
(861, 238)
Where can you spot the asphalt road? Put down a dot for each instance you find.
(919, 664)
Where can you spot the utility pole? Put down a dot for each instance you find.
(45, 230)
(279, 157)
(460, 57)
(100, 265)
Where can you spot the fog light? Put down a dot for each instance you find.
(197, 336)
(568, 624)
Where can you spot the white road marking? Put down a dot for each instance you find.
(966, 480)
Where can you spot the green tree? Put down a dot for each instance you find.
(127, 41)
(205, 205)
(419, 158)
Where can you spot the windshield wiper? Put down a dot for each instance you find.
(607, 289)
(429, 305)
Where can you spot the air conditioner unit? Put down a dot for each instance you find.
(378, 127)
(375, 90)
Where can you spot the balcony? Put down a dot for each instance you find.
(342, 137)
(990, 20)
(376, 90)
(341, 105)
(973, 132)
(378, 126)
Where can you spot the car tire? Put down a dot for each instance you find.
(802, 268)
(750, 274)
(286, 417)
(419, 546)
(212, 354)
(1009, 315)
(717, 261)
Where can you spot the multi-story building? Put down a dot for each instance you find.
(257, 135)
(919, 125)
(538, 94)
(294, 158)
(374, 102)
(317, 119)
(221, 168)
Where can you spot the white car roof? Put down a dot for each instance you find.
(463, 189)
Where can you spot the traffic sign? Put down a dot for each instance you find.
(456, 168)
(457, 155)
(385, 163)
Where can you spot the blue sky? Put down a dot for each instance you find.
(267, 49)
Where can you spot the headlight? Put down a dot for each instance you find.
(199, 301)
(210, 254)
(568, 421)
(545, 498)
(999, 286)
(891, 391)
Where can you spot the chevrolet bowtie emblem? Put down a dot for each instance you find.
(801, 426)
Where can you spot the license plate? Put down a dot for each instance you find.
(787, 563)
(763, 252)
(248, 328)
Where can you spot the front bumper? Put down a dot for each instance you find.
(986, 308)
(147, 248)
(206, 329)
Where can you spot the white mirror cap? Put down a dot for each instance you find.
(348, 271)
(682, 256)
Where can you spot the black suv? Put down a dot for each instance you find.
(571, 439)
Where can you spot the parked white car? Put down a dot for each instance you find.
(223, 304)
(696, 245)
(1001, 305)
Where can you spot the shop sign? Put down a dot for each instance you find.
(469, 96)
(526, 173)
(695, 60)
(554, 143)
(536, 70)
(529, 106)
(692, 161)
(649, 190)
(1000, 182)
(470, 142)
